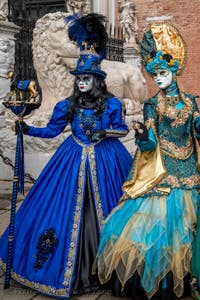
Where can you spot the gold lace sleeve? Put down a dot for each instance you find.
(148, 171)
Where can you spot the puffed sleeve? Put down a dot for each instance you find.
(148, 168)
(118, 127)
(56, 124)
(150, 114)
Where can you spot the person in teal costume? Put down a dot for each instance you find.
(58, 224)
(145, 247)
(195, 264)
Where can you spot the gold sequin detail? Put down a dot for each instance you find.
(87, 153)
(172, 150)
(180, 116)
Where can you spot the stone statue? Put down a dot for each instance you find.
(76, 6)
(3, 10)
(128, 22)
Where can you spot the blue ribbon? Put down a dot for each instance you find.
(20, 145)
(18, 186)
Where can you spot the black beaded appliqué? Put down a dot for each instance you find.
(46, 246)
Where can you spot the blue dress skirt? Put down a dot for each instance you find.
(57, 226)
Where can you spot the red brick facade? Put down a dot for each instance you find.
(185, 15)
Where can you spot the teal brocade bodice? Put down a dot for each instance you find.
(173, 129)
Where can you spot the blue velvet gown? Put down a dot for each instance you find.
(146, 242)
(57, 226)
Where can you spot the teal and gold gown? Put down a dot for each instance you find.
(146, 242)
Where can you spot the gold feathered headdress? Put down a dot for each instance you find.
(163, 45)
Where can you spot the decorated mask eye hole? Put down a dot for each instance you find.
(163, 73)
(78, 78)
(86, 78)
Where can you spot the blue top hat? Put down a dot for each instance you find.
(91, 37)
(89, 63)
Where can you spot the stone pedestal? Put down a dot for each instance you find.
(131, 55)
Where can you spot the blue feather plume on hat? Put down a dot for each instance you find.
(88, 29)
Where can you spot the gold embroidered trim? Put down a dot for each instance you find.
(171, 180)
(180, 116)
(87, 153)
(76, 225)
(116, 133)
(46, 289)
(99, 209)
(191, 181)
(174, 182)
(172, 150)
(196, 114)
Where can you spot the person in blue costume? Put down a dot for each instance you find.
(145, 247)
(58, 224)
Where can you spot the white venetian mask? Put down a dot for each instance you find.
(84, 82)
(163, 78)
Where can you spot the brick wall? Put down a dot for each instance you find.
(185, 16)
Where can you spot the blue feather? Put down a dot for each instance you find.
(76, 31)
(89, 29)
